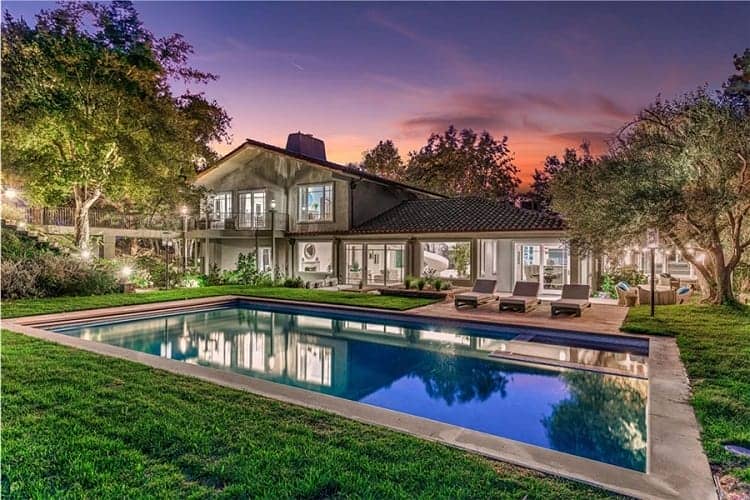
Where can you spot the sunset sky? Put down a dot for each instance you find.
(546, 75)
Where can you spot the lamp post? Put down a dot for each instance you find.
(184, 211)
(652, 242)
(273, 236)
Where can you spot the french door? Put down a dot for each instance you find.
(253, 209)
(549, 265)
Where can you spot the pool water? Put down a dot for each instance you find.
(578, 397)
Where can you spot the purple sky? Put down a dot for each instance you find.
(546, 75)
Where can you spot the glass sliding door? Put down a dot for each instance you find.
(354, 263)
(394, 263)
(221, 209)
(556, 268)
(375, 264)
(547, 264)
(253, 209)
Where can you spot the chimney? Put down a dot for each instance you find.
(306, 145)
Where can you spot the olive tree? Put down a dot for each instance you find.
(681, 166)
(90, 115)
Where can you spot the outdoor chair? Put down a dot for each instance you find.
(525, 297)
(575, 298)
(682, 295)
(483, 292)
(624, 291)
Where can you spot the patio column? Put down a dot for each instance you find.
(474, 259)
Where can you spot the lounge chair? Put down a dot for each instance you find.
(524, 297)
(575, 298)
(483, 292)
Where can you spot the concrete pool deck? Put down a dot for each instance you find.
(677, 466)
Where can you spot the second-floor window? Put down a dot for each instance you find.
(316, 203)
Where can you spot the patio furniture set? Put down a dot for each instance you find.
(525, 297)
(629, 296)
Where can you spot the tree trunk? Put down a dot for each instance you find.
(83, 202)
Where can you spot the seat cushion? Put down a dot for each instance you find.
(623, 286)
(683, 290)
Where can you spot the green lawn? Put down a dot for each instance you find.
(714, 345)
(77, 424)
(27, 307)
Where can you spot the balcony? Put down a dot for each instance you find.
(241, 221)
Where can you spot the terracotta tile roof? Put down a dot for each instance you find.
(458, 215)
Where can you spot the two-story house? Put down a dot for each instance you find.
(322, 221)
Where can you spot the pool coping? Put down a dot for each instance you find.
(677, 465)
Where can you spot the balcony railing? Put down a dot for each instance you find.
(99, 218)
(241, 221)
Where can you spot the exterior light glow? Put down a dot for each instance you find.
(85, 254)
(273, 204)
(126, 271)
(11, 193)
(184, 210)
(21, 225)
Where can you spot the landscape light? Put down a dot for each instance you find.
(11, 193)
(85, 254)
(21, 225)
(273, 204)
(184, 210)
(126, 271)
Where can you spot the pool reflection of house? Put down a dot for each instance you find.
(341, 357)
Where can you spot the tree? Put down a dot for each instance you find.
(681, 167)
(384, 160)
(540, 193)
(737, 87)
(464, 164)
(90, 115)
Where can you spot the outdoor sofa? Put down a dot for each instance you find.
(483, 292)
(575, 298)
(525, 297)
(624, 291)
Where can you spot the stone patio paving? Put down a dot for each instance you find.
(599, 318)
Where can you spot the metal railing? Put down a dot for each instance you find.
(241, 221)
(100, 218)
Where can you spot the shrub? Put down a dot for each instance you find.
(631, 276)
(214, 276)
(293, 282)
(15, 246)
(55, 276)
(437, 284)
(421, 282)
(408, 282)
(741, 278)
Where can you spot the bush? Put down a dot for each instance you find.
(408, 281)
(741, 278)
(55, 276)
(437, 284)
(293, 282)
(421, 282)
(631, 276)
(15, 246)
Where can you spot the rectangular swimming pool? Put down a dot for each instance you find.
(576, 393)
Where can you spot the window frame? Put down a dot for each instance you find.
(304, 188)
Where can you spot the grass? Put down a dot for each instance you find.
(28, 307)
(714, 344)
(77, 424)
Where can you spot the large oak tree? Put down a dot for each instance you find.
(90, 114)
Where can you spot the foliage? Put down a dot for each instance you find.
(714, 344)
(437, 284)
(296, 282)
(213, 277)
(408, 281)
(89, 114)
(737, 87)
(49, 275)
(421, 282)
(461, 258)
(14, 308)
(741, 278)
(629, 275)
(16, 246)
(246, 273)
(464, 164)
(138, 432)
(384, 160)
(540, 194)
(681, 167)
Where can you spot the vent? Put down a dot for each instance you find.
(306, 145)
